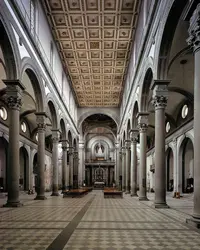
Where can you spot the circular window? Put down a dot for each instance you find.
(184, 111)
(167, 127)
(3, 113)
(36, 137)
(23, 127)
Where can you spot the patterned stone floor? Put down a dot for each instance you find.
(93, 222)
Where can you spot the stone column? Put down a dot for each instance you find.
(123, 169)
(160, 97)
(55, 140)
(14, 93)
(71, 161)
(117, 165)
(143, 126)
(134, 138)
(128, 161)
(175, 163)
(194, 41)
(41, 123)
(65, 168)
(81, 168)
(75, 168)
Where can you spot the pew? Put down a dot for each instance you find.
(112, 193)
(76, 193)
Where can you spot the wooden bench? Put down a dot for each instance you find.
(75, 193)
(112, 193)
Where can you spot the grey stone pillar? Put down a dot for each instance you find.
(128, 167)
(134, 138)
(14, 93)
(65, 171)
(123, 169)
(117, 165)
(160, 96)
(41, 123)
(75, 169)
(71, 163)
(81, 165)
(55, 140)
(194, 41)
(143, 126)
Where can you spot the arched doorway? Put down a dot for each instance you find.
(3, 164)
(170, 170)
(187, 166)
(24, 169)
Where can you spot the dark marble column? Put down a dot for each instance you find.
(194, 41)
(41, 123)
(123, 154)
(160, 96)
(143, 126)
(71, 166)
(14, 93)
(128, 162)
(134, 138)
(65, 170)
(55, 140)
(117, 165)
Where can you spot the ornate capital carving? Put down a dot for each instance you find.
(160, 93)
(55, 135)
(64, 144)
(71, 150)
(75, 155)
(127, 144)
(14, 102)
(159, 102)
(41, 121)
(143, 121)
(14, 93)
(194, 30)
(134, 135)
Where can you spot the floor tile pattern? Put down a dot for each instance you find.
(108, 224)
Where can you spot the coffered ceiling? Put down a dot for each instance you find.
(94, 38)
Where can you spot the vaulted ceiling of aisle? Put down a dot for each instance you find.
(94, 38)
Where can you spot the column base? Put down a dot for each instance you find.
(160, 205)
(143, 199)
(40, 197)
(55, 194)
(134, 195)
(13, 204)
(193, 222)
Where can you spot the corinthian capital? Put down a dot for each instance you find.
(160, 93)
(14, 92)
(55, 135)
(41, 121)
(134, 135)
(143, 121)
(194, 30)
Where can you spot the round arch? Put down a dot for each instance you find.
(134, 115)
(170, 169)
(28, 67)
(186, 166)
(24, 169)
(10, 48)
(167, 30)
(128, 129)
(145, 90)
(93, 112)
(63, 129)
(69, 137)
(4, 163)
(53, 112)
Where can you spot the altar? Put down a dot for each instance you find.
(99, 185)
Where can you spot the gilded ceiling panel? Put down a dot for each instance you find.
(94, 38)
